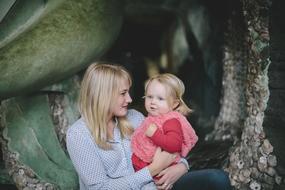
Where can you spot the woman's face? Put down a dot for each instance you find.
(122, 100)
(156, 99)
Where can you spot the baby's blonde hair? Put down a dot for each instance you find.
(174, 88)
(99, 88)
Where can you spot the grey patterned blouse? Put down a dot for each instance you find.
(105, 169)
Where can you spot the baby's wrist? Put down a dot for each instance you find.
(151, 130)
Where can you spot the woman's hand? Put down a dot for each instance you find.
(160, 161)
(170, 175)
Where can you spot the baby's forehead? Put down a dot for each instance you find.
(155, 85)
(156, 82)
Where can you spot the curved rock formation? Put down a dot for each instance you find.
(67, 36)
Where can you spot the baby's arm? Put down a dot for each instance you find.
(171, 138)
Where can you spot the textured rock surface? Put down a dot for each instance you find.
(228, 124)
(62, 42)
(252, 161)
(274, 122)
(33, 140)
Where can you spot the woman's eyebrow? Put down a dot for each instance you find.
(123, 90)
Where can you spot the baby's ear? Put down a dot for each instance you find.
(175, 104)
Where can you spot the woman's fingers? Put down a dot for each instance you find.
(165, 186)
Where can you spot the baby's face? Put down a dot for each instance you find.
(156, 100)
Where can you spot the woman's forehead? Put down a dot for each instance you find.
(124, 83)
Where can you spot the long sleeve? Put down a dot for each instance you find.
(171, 138)
(103, 169)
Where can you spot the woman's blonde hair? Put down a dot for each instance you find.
(174, 88)
(99, 88)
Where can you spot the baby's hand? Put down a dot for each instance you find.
(151, 130)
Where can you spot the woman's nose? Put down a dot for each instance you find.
(129, 99)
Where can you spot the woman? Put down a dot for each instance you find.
(99, 142)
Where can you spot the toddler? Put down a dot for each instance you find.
(166, 125)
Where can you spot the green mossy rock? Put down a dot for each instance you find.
(63, 41)
(30, 133)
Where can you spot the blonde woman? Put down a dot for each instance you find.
(99, 142)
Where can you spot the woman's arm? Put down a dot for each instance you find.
(160, 161)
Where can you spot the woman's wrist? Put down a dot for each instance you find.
(184, 167)
(185, 163)
(152, 170)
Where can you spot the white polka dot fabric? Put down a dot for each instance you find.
(105, 169)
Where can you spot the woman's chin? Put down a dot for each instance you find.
(123, 112)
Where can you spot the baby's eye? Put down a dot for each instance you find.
(148, 97)
(160, 98)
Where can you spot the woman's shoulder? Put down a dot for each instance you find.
(78, 126)
(135, 117)
(134, 112)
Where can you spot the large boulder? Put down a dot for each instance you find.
(54, 41)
